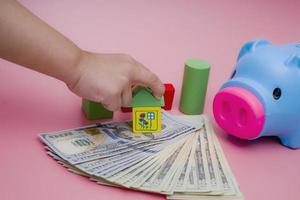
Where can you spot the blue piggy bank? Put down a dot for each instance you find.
(262, 97)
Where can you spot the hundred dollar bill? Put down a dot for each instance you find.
(207, 155)
(179, 185)
(138, 176)
(134, 173)
(179, 166)
(130, 175)
(165, 171)
(185, 161)
(75, 170)
(228, 180)
(130, 160)
(214, 176)
(109, 139)
(97, 166)
(229, 189)
(108, 169)
(164, 181)
(196, 177)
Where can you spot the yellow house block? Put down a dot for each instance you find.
(146, 119)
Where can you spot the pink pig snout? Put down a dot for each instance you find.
(239, 112)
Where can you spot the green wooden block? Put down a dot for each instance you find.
(94, 110)
(142, 97)
(194, 86)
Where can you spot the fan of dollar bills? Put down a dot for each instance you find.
(184, 161)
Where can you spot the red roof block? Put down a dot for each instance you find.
(169, 96)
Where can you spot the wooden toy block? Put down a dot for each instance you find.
(146, 111)
(169, 96)
(94, 110)
(146, 119)
(194, 85)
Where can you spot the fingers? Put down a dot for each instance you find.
(146, 78)
(126, 96)
(113, 106)
(112, 100)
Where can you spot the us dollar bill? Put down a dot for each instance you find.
(185, 161)
(140, 172)
(229, 188)
(162, 179)
(111, 139)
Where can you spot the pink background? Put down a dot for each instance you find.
(162, 35)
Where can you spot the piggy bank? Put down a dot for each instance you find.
(262, 97)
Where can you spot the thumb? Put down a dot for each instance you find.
(145, 77)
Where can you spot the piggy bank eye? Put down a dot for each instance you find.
(276, 93)
(233, 74)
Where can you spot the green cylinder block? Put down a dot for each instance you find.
(194, 86)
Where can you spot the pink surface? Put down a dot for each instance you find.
(162, 35)
(239, 112)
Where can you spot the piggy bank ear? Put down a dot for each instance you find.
(251, 46)
(293, 61)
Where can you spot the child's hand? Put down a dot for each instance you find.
(104, 78)
(107, 78)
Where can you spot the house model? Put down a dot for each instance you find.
(146, 111)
